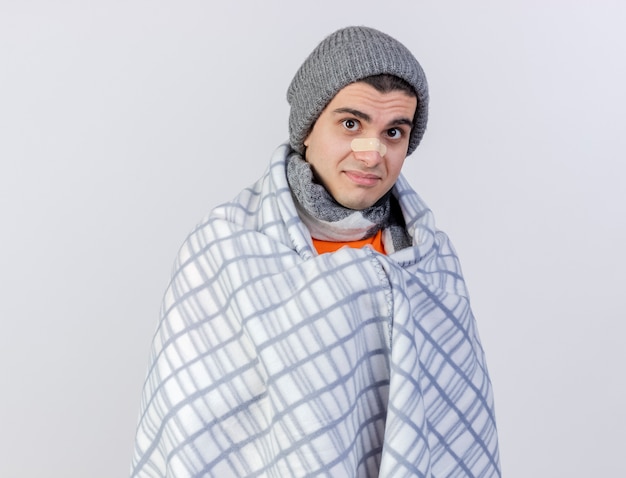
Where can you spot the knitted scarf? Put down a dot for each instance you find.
(328, 220)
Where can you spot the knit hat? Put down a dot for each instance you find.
(346, 56)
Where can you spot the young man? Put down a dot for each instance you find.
(318, 324)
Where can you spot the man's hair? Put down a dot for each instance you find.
(385, 83)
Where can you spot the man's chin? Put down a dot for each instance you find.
(356, 204)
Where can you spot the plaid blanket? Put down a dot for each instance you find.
(273, 361)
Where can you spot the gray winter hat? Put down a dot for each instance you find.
(346, 56)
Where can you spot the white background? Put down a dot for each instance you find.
(123, 122)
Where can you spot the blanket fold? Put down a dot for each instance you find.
(273, 361)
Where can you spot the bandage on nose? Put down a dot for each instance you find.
(368, 144)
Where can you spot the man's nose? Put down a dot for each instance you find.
(369, 158)
(369, 150)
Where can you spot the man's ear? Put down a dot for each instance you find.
(307, 141)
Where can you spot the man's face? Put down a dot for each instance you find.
(357, 179)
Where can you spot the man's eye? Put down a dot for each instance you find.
(394, 133)
(351, 124)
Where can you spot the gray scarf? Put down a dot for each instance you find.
(328, 220)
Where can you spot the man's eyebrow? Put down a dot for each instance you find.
(402, 121)
(357, 113)
(365, 117)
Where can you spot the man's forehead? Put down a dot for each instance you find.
(363, 100)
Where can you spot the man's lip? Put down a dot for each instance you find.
(364, 179)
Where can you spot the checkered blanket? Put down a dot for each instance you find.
(273, 361)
